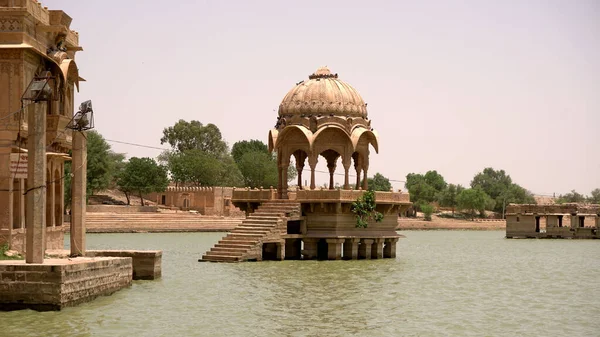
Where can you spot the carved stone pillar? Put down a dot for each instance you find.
(300, 159)
(377, 249)
(365, 183)
(312, 162)
(22, 204)
(357, 167)
(78, 203)
(351, 249)
(36, 185)
(334, 249)
(284, 181)
(310, 248)
(331, 167)
(346, 162)
(364, 250)
(52, 196)
(389, 250)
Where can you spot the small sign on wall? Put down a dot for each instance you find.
(18, 165)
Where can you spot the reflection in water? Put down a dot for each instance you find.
(442, 283)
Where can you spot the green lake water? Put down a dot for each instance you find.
(443, 283)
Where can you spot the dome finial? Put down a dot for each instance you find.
(322, 72)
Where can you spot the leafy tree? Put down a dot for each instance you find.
(379, 183)
(595, 196)
(499, 186)
(98, 163)
(364, 208)
(427, 210)
(571, 197)
(240, 148)
(448, 197)
(424, 188)
(258, 169)
(472, 200)
(142, 175)
(184, 136)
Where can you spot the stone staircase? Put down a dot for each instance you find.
(157, 222)
(244, 242)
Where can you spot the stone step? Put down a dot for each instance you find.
(263, 217)
(244, 235)
(225, 252)
(233, 245)
(249, 231)
(257, 226)
(240, 239)
(219, 258)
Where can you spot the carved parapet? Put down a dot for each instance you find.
(552, 209)
(255, 195)
(347, 196)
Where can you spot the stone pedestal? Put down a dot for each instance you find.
(351, 249)
(389, 250)
(310, 248)
(36, 184)
(78, 195)
(377, 249)
(364, 250)
(334, 249)
(6, 200)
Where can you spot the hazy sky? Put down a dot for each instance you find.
(454, 86)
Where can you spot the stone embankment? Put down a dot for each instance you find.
(450, 224)
(187, 222)
(157, 223)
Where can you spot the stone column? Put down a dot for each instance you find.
(389, 250)
(312, 162)
(300, 158)
(284, 181)
(377, 249)
(346, 163)
(331, 168)
(11, 201)
(78, 202)
(351, 249)
(36, 185)
(281, 251)
(52, 196)
(365, 184)
(334, 249)
(310, 248)
(5, 179)
(22, 204)
(364, 250)
(61, 186)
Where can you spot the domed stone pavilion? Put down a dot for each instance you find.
(323, 118)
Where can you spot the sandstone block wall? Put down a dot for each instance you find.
(121, 209)
(147, 265)
(61, 283)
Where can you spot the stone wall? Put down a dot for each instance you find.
(60, 283)
(146, 264)
(55, 239)
(120, 209)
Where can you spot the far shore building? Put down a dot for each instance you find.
(322, 118)
(205, 200)
(567, 221)
(34, 41)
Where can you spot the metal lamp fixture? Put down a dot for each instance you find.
(40, 89)
(83, 120)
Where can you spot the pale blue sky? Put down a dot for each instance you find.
(454, 86)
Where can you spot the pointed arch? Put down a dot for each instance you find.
(371, 136)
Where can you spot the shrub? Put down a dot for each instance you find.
(427, 210)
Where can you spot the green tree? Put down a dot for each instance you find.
(258, 169)
(448, 197)
(379, 183)
(184, 136)
(427, 210)
(99, 168)
(573, 196)
(594, 196)
(242, 147)
(499, 186)
(424, 189)
(142, 176)
(472, 200)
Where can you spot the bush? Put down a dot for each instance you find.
(427, 210)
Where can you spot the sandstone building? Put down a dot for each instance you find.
(568, 221)
(323, 118)
(34, 41)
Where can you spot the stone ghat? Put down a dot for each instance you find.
(446, 224)
(157, 223)
(60, 283)
(552, 209)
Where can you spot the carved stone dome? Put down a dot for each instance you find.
(324, 93)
